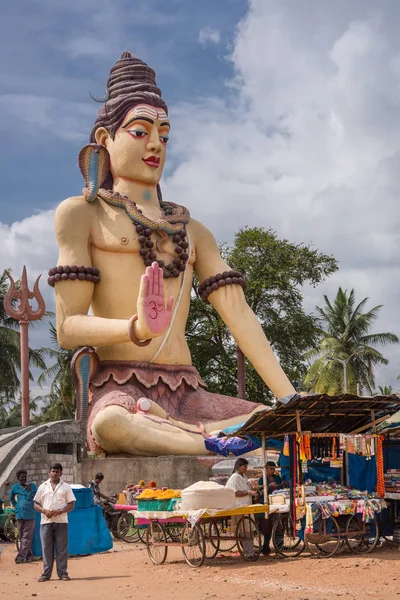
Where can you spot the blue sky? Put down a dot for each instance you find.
(284, 114)
(53, 53)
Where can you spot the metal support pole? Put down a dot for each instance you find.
(241, 374)
(264, 468)
(25, 408)
(345, 377)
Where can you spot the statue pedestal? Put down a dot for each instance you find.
(177, 472)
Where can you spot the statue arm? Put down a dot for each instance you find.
(74, 326)
(230, 303)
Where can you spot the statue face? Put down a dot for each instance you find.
(138, 151)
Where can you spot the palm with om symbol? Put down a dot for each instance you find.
(153, 316)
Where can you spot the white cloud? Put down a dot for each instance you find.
(208, 36)
(43, 112)
(311, 148)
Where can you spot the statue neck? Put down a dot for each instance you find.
(141, 193)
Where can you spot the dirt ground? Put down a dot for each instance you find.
(127, 572)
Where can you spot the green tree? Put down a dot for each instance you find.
(274, 270)
(385, 390)
(346, 337)
(10, 362)
(60, 402)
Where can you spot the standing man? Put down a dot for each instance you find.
(54, 499)
(21, 497)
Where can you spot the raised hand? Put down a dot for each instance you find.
(153, 316)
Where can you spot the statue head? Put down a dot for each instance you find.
(133, 123)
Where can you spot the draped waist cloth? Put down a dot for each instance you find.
(178, 389)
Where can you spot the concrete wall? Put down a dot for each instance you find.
(38, 460)
(35, 458)
(176, 472)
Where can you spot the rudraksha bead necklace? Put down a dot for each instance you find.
(148, 253)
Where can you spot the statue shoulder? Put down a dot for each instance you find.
(199, 232)
(73, 217)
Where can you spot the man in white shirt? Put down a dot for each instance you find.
(54, 499)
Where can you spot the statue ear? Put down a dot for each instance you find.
(94, 163)
(101, 136)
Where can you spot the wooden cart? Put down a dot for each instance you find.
(202, 535)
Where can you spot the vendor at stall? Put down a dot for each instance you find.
(274, 481)
(244, 494)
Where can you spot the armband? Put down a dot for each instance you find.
(220, 280)
(73, 273)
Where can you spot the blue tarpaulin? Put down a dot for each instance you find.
(87, 530)
(362, 473)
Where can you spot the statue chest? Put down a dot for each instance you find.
(113, 231)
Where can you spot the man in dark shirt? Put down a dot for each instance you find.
(21, 497)
(95, 486)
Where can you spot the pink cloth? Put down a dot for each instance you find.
(178, 389)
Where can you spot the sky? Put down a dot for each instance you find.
(285, 114)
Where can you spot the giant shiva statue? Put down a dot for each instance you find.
(128, 256)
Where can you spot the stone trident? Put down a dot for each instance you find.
(24, 313)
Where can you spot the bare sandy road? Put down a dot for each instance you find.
(127, 572)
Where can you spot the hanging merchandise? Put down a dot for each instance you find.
(307, 446)
(380, 477)
(303, 456)
(286, 446)
(333, 450)
(361, 445)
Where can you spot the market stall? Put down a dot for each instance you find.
(342, 431)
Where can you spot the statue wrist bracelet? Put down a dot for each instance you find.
(132, 334)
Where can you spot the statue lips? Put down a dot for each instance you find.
(152, 161)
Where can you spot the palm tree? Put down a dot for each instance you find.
(385, 390)
(346, 342)
(10, 358)
(60, 402)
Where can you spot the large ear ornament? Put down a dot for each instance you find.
(94, 163)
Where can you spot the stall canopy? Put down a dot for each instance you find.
(320, 413)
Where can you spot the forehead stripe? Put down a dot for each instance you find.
(160, 114)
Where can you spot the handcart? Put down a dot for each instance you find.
(203, 533)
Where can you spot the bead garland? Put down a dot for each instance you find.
(220, 280)
(147, 250)
(73, 273)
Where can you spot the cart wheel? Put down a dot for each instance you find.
(225, 543)
(142, 529)
(194, 546)
(285, 539)
(156, 542)
(210, 530)
(127, 529)
(361, 538)
(249, 544)
(326, 538)
(10, 528)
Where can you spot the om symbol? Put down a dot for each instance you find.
(156, 308)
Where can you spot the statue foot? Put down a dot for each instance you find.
(145, 433)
